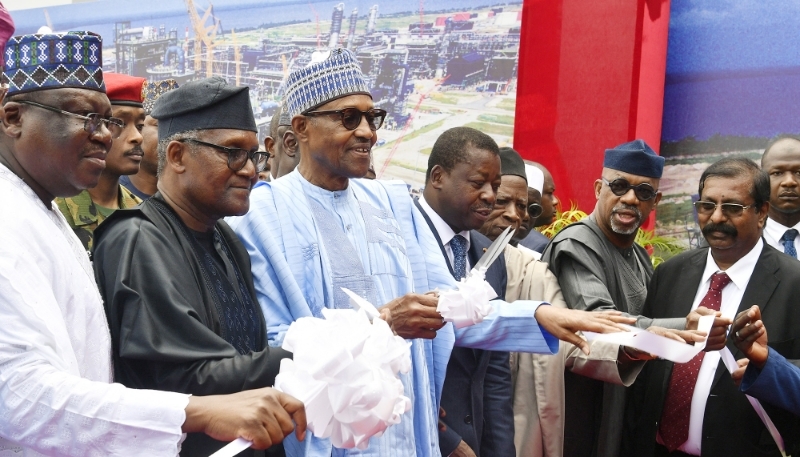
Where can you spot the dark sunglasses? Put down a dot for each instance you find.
(620, 187)
(351, 117)
(535, 210)
(728, 209)
(237, 157)
(91, 122)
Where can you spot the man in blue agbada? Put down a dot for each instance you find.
(317, 229)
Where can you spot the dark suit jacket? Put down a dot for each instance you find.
(535, 241)
(730, 425)
(477, 387)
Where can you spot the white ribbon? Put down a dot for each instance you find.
(651, 343)
(469, 303)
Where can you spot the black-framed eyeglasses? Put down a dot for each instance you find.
(535, 210)
(237, 157)
(728, 209)
(91, 121)
(351, 117)
(619, 187)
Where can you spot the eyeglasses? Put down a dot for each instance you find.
(237, 157)
(535, 210)
(91, 121)
(644, 192)
(728, 209)
(351, 117)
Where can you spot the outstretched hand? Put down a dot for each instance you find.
(564, 323)
(263, 416)
(750, 336)
(682, 336)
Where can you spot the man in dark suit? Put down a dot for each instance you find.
(460, 190)
(696, 408)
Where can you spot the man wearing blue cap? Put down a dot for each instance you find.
(56, 373)
(599, 267)
(318, 229)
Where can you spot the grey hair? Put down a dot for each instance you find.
(162, 146)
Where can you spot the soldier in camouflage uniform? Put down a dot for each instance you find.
(87, 210)
(84, 215)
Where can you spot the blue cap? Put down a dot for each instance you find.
(53, 61)
(636, 158)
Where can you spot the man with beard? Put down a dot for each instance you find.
(145, 183)
(85, 211)
(781, 161)
(599, 267)
(695, 408)
(538, 379)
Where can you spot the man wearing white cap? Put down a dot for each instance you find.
(527, 236)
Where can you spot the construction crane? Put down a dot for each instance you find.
(203, 34)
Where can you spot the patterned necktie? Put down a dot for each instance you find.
(788, 242)
(674, 426)
(459, 246)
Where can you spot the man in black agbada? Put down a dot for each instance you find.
(175, 280)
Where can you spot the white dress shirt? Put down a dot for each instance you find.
(773, 232)
(732, 294)
(56, 391)
(445, 232)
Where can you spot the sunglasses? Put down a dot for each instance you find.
(728, 209)
(535, 210)
(644, 192)
(351, 117)
(91, 122)
(237, 157)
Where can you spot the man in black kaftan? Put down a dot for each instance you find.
(175, 279)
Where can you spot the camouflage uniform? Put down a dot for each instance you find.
(83, 215)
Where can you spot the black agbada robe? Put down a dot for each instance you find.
(171, 327)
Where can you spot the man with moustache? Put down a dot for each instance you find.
(319, 229)
(145, 183)
(696, 408)
(599, 267)
(781, 161)
(538, 379)
(57, 395)
(549, 205)
(174, 278)
(88, 209)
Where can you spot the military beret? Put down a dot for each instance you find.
(124, 90)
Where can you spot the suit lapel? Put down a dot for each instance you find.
(689, 281)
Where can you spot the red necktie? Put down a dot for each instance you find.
(674, 426)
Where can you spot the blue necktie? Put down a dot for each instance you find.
(459, 246)
(788, 242)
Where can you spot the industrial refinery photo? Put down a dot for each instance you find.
(431, 65)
